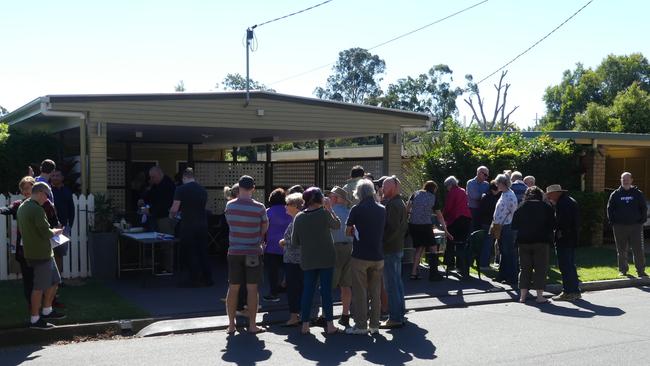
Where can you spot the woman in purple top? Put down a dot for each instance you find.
(273, 253)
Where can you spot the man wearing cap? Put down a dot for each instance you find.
(248, 223)
(566, 240)
(394, 232)
(627, 211)
(476, 188)
(356, 174)
(343, 246)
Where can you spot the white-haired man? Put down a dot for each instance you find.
(518, 185)
(627, 211)
(476, 188)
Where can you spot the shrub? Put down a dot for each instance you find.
(592, 215)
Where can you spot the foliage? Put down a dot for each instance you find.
(18, 150)
(430, 93)
(355, 79)
(180, 87)
(592, 214)
(602, 86)
(104, 214)
(459, 151)
(598, 118)
(238, 82)
(629, 112)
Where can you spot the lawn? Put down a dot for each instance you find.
(87, 301)
(594, 264)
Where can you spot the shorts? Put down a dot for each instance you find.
(240, 274)
(422, 235)
(46, 274)
(342, 272)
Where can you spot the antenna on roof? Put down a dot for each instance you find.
(249, 43)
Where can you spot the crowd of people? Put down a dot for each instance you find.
(309, 242)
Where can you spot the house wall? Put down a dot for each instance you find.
(97, 156)
(633, 160)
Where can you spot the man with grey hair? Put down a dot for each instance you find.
(627, 211)
(529, 181)
(518, 186)
(476, 188)
(365, 223)
(394, 232)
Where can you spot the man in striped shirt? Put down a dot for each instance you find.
(248, 223)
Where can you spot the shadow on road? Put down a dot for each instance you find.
(585, 309)
(406, 344)
(18, 355)
(245, 350)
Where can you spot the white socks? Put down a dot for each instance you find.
(47, 311)
(35, 318)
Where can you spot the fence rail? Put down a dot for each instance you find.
(75, 262)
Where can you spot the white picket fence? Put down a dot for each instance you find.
(75, 263)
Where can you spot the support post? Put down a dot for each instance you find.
(321, 180)
(129, 176)
(190, 155)
(268, 172)
(234, 154)
(386, 154)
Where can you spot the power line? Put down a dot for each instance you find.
(536, 43)
(290, 15)
(386, 42)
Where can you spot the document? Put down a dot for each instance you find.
(57, 240)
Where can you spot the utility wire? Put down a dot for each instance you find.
(536, 43)
(290, 15)
(386, 42)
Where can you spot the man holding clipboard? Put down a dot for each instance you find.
(37, 245)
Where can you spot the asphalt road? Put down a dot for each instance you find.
(605, 328)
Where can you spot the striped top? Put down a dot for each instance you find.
(245, 217)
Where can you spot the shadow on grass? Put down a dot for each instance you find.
(407, 344)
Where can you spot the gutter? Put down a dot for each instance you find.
(46, 111)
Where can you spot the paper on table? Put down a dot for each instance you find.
(57, 240)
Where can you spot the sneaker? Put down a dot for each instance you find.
(41, 324)
(344, 321)
(356, 331)
(642, 274)
(319, 322)
(373, 330)
(53, 315)
(271, 298)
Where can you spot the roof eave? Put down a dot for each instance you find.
(25, 112)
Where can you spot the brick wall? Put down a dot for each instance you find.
(595, 175)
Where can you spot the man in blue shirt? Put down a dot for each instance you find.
(476, 188)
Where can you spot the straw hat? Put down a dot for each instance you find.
(555, 188)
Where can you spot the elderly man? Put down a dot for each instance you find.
(518, 185)
(627, 211)
(248, 224)
(566, 240)
(364, 223)
(36, 234)
(394, 232)
(343, 244)
(159, 198)
(476, 188)
(529, 181)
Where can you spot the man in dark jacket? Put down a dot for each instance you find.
(566, 239)
(627, 211)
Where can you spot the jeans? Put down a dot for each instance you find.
(294, 276)
(508, 266)
(476, 219)
(273, 265)
(566, 260)
(394, 286)
(486, 250)
(310, 278)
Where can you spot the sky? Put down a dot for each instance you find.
(143, 46)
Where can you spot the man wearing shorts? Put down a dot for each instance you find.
(343, 245)
(36, 234)
(248, 223)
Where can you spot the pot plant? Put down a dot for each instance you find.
(102, 240)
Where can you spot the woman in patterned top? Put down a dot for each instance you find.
(293, 272)
(501, 230)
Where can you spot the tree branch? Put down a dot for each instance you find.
(470, 103)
